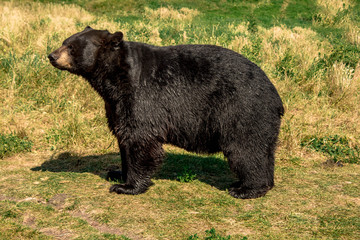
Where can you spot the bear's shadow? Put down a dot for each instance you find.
(212, 170)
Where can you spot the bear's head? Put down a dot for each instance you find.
(79, 54)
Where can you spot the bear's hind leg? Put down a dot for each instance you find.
(140, 160)
(254, 169)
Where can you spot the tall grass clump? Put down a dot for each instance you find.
(343, 84)
(331, 11)
(171, 14)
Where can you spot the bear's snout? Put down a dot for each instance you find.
(60, 58)
(52, 57)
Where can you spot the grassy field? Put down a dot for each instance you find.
(55, 148)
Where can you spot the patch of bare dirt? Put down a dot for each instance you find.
(106, 229)
(58, 201)
(4, 198)
(60, 234)
(27, 199)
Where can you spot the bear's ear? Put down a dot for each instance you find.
(88, 28)
(116, 40)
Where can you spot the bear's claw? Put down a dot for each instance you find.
(248, 193)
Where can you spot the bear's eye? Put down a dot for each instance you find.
(71, 49)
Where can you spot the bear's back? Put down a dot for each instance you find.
(213, 72)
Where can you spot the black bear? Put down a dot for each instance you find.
(202, 98)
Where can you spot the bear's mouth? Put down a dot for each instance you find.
(60, 67)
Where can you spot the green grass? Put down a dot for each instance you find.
(335, 146)
(69, 192)
(56, 149)
(212, 235)
(13, 143)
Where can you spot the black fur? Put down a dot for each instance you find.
(202, 98)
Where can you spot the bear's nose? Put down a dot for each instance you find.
(52, 57)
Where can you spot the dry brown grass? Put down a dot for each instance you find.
(330, 8)
(301, 43)
(353, 34)
(163, 13)
(343, 84)
(53, 18)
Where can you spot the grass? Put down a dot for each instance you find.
(212, 235)
(335, 146)
(309, 49)
(13, 143)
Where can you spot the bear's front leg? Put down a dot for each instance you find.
(141, 159)
(119, 175)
